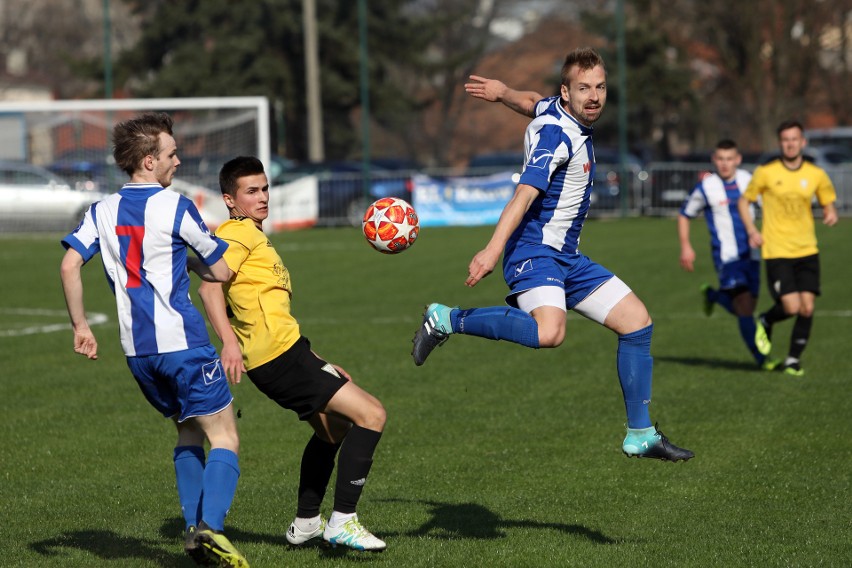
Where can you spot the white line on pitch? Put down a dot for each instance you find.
(94, 318)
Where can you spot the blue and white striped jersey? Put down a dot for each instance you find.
(142, 233)
(718, 200)
(560, 164)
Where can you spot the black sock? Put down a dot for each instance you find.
(800, 336)
(317, 465)
(353, 465)
(775, 314)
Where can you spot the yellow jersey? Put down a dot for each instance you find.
(259, 294)
(788, 222)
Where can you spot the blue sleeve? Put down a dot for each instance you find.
(542, 105)
(85, 239)
(189, 224)
(551, 150)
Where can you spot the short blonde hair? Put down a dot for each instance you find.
(585, 58)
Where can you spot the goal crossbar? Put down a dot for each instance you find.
(259, 104)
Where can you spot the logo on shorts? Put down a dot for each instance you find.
(212, 372)
(329, 368)
(525, 266)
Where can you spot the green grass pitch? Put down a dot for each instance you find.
(494, 455)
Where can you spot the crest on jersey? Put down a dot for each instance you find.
(540, 158)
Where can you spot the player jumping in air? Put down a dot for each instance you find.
(538, 234)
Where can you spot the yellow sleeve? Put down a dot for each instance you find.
(239, 244)
(825, 190)
(755, 186)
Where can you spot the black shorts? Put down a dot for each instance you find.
(788, 275)
(298, 380)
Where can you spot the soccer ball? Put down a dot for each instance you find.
(390, 225)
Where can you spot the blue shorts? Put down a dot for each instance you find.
(527, 268)
(740, 274)
(183, 383)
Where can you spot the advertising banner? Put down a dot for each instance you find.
(293, 205)
(462, 200)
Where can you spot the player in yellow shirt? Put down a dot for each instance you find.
(262, 338)
(787, 238)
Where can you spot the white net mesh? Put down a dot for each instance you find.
(66, 147)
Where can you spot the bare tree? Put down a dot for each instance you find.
(835, 57)
(61, 44)
(772, 63)
(458, 35)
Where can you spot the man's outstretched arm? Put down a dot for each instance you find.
(492, 90)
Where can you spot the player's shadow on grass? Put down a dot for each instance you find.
(166, 551)
(453, 521)
(449, 521)
(173, 530)
(741, 365)
(108, 545)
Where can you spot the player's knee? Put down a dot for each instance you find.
(643, 323)
(375, 416)
(806, 311)
(233, 438)
(550, 337)
(380, 416)
(358, 407)
(744, 305)
(228, 439)
(634, 325)
(190, 435)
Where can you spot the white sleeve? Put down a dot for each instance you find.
(695, 202)
(207, 246)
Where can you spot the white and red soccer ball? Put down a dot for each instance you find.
(390, 225)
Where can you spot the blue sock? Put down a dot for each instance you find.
(220, 484)
(498, 322)
(722, 298)
(635, 367)
(189, 472)
(747, 329)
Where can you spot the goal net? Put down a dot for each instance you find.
(72, 141)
